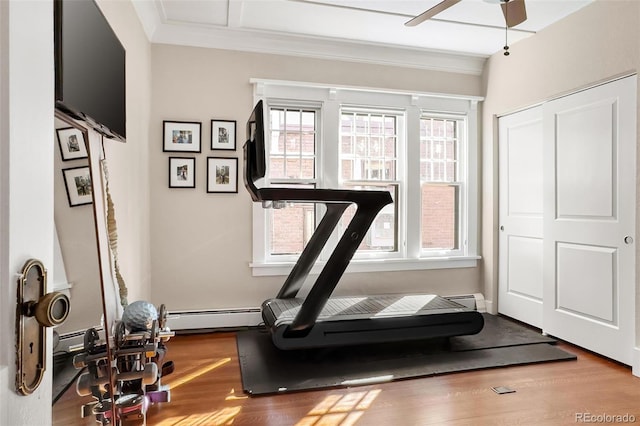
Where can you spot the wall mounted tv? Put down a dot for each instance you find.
(89, 67)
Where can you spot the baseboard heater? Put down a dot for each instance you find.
(213, 319)
(472, 301)
(74, 341)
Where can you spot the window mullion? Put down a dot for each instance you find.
(328, 161)
(412, 160)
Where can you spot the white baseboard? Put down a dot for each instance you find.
(490, 307)
(635, 366)
(214, 319)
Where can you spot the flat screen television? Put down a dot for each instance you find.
(256, 142)
(89, 67)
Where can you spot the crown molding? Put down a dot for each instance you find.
(258, 41)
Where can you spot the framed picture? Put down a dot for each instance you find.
(78, 183)
(182, 172)
(222, 174)
(71, 141)
(181, 136)
(223, 134)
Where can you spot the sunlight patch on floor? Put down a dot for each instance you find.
(224, 416)
(340, 410)
(233, 397)
(180, 380)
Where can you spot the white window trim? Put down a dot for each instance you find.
(414, 104)
(465, 158)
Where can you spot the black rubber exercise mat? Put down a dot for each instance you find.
(267, 370)
(499, 332)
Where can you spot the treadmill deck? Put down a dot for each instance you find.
(366, 307)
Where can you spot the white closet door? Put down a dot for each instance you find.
(521, 211)
(589, 218)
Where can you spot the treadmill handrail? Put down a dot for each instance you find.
(368, 205)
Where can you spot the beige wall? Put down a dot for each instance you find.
(201, 243)
(595, 44)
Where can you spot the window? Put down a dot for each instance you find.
(440, 182)
(291, 163)
(416, 146)
(368, 160)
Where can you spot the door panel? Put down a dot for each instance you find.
(586, 179)
(589, 208)
(521, 212)
(586, 285)
(525, 267)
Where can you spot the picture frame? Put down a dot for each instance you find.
(77, 181)
(222, 175)
(182, 172)
(72, 143)
(223, 135)
(181, 136)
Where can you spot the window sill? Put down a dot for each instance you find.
(377, 265)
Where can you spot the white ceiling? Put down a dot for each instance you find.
(458, 39)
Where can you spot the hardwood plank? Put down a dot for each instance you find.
(206, 389)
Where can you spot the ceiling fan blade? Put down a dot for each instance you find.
(514, 12)
(440, 7)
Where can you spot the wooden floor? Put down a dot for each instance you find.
(206, 390)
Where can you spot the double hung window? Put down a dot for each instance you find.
(351, 138)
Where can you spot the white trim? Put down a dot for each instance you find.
(5, 292)
(149, 17)
(257, 41)
(280, 84)
(568, 93)
(373, 265)
(214, 318)
(635, 367)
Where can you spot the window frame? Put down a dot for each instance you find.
(283, 181)
(331, 100)
(399, 182)
(462, 183)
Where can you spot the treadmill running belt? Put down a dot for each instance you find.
(351, 307)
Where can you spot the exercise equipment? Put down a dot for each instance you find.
(133, 358)
(318, 320)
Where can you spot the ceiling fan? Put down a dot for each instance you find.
(514, 11)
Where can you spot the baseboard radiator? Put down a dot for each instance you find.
(214, 319)
(473, 301)
(72, 342)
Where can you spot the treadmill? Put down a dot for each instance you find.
(319, 320)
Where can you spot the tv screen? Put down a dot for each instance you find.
(90, 67)
(256, 142)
